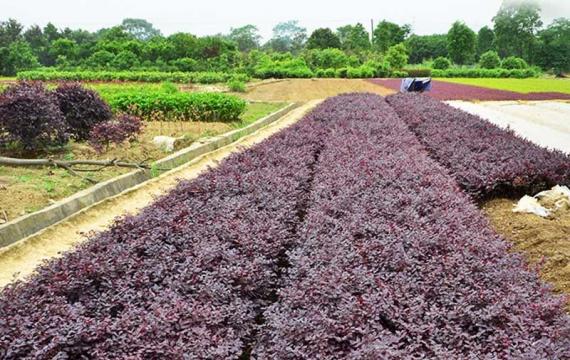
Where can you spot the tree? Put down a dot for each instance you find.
(19, 57)
(10, 31)
(140, 29)
(388, 34)
(554, 46)
(353, 37)
(461, 43)
(397, 57)
(485, 40)
(516, 26)
(64, 47)
(288, 36)
(51, 33)
(490, 60)
(125, 60)
(423, 47)
(323, 38)
(247, 37)
(101, 59)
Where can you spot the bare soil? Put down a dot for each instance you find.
(310, 89)
(544, 242)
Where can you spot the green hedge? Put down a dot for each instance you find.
(163, 105)
(140, 76)
(423, 72)
(485, 73)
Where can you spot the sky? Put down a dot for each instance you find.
(203, 17)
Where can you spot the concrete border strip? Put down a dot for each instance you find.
(30, 224)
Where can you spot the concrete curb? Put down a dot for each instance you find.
(27, 225)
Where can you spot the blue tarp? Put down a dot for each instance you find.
(415, 85)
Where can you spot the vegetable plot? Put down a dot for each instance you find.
(338, 238)
(484, 159)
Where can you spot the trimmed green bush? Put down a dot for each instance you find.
(140, 76)
(418, 72)
(236, 86)
(485, 73)
(441, 63)
(490, 60)
(161, 105)
(513, 62)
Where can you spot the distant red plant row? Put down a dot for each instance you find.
(337, 238)
(484, 159)
(443, 90)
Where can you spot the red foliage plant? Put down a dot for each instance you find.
(115, 131)
(83, 108)
(338, 238)
(30, 117)
(485, 159)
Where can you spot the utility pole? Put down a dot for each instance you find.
(371, 31)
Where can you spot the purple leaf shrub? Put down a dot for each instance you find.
(30, 117)
(83, 108)
(184, 279)
(485, 159)
(396, 262)
(337, 238)
(115, 131)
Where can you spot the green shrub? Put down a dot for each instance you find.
(490, 60)
(513, 62)
(485, 73)
(236, 86)
(295, 68)
(341, 73)
(399, 74)
(161, 105)
(140, 76)
(441, 63)
(418, 72)
(397, 57)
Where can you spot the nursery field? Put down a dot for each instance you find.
(446, 90)
(352, 234)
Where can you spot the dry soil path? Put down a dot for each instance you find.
(546, 123)
(19, 260)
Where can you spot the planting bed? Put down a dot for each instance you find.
(484, 159)
(337, 238)
(444, 90)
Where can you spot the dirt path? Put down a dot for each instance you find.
(542, 122)
(310, 89)
(544, 242)
(20, 259)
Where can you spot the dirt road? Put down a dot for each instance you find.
(20, 259)
(546, 123)
(310, 89)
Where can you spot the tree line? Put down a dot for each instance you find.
(517, 31)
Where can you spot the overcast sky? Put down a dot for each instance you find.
(203, 17)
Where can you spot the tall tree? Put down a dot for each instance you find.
(247, 37)
(288, 36)
(461, 43)
(354, 37)
(10, 31)
(323, 38)
(485, 40)
(51, 32)
(140, 29)
(554, 46)
(423, 47)
(388, 34)
(516, 25)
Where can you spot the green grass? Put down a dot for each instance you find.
(256, 111)
(524, 86)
